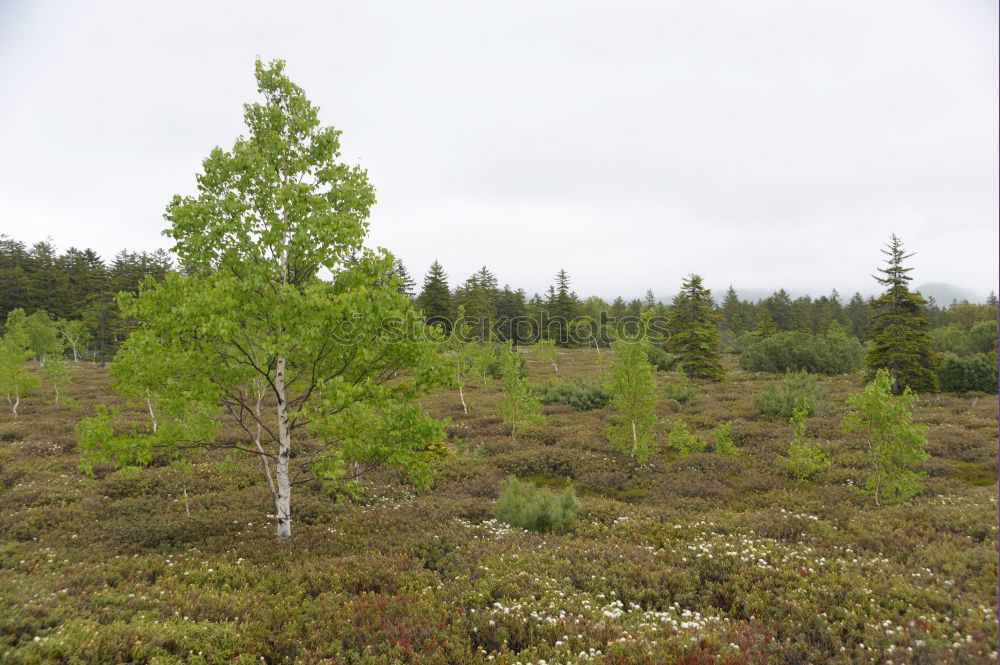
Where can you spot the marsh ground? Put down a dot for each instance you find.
(696, 559)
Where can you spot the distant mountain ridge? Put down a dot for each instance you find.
(944, 294)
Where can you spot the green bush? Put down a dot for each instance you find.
(492, 367)
(580, 394)
(679, 389)
(983, 336)
(722, 440)
(779, 400)
(523, 505)
(977, 372)
(952, 339)
(681, 440)
(793, 351)
(804, 459)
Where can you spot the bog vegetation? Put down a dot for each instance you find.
(473, 475)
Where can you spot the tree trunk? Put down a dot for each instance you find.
(17, 400)
(149, 405)
(635, 440)
(283, 499)
(461, 396)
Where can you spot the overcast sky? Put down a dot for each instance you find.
(765, 144)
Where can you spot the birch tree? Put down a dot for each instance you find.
(546, 351)
(279, 317)
(894, 444)
(74, 333)
(16, 380)
(519, 405)
(633, 399)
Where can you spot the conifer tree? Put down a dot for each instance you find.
(633, 398)
(898, 332)
(734, 311)
(765, 324)
(435, 298)
(694, 331)
(563, 306)
(406, 283)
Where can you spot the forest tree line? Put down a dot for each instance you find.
(80, 285)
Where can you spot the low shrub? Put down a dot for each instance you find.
(805, 458)
(798, 389)
(976, 372)
(681, 439)
(525, 506)
(580, 394)
(679, 390)
(793, 351)
(722, 440)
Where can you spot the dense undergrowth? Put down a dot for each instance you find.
(700, 558)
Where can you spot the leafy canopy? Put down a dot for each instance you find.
(278, 302)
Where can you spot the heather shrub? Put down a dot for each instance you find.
(830, 354)
(799, 389)
(581, 394)
(525, 506)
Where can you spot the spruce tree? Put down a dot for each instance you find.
(694, 331)
(435, 298)
(563, 306)
(406, 283)
(898, 331)
(733, 311)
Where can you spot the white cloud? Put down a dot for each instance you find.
(762, 144)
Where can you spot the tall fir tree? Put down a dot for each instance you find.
(406, 283)
(695, 332)
(898, 332)
(435, 298)
(563, 306)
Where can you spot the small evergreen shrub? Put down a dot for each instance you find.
(779, 400)
(525, 506)
(679, 389)
(722, 440)
(976, 372)
(798, 351)
(580, 394)
(685, 443)
(805, 458)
